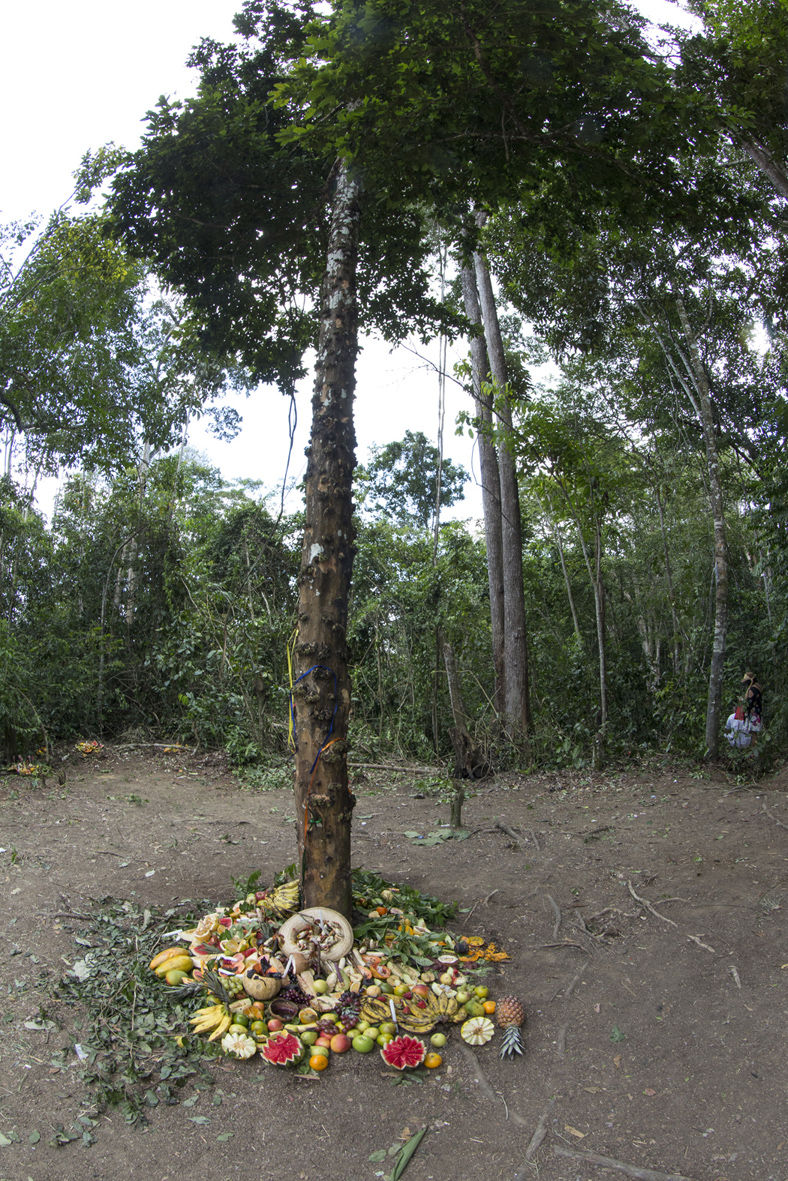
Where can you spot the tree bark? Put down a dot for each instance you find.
(717, 666)
(518, 707)
(767, 164)
(321, 694)
(491, 487)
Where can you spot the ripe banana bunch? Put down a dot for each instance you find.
(216, 1018)
(376, 1009)
(282, 901)
(410, 1015)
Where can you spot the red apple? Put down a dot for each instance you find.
(340, 1043)
(274, 1024)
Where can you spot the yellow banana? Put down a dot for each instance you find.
(165, 955)
(213, 1015)
(221, 1028)
(210, 1024)
(209, 1008)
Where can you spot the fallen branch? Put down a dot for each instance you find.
(697, 939)
(773, 817)
(388, 767)
(557, 913)
(649, 906)
(509, 831)
(563, 943)
(607, 1162)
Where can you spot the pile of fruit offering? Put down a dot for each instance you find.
(296, 987)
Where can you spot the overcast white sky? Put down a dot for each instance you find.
(78, 75)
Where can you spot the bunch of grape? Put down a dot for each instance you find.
(349, 1007)
(295, 994)
(234, 985)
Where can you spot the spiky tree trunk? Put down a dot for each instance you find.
(321, 696)
(518, 707)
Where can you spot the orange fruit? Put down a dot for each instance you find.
(432, 1060)
(318, 1062)
(488, 1006)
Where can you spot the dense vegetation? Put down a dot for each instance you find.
(163, 600)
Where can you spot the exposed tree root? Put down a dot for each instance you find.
(607, 1162)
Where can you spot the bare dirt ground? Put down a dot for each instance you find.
(645, 917)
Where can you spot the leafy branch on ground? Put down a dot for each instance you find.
(133, 1050)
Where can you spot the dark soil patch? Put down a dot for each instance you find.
(658, 1031)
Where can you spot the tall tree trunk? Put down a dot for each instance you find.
(321, 695)
(560, 547)
(518, 707)
(491, 487)
(717, 666)
(677, 630)
(597, 581)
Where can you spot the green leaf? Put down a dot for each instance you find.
(617, 1035)
(406, 1153)
(377, 1156)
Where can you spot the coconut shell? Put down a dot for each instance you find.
(290, 930)
(262, 988)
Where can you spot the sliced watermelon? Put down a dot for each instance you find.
(404, 1052)
(282, 1049)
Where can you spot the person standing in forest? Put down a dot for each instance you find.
(753, 705)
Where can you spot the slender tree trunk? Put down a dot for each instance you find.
(599, 601)
(567, 584)
(321, 696)
(491, 488)
(669, 575)
(716, 669)
(518, 708)
(596, 579)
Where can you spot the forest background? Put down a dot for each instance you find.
(160, 598)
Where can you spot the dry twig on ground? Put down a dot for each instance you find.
(650, 907)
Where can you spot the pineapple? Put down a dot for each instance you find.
(510, 1015)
